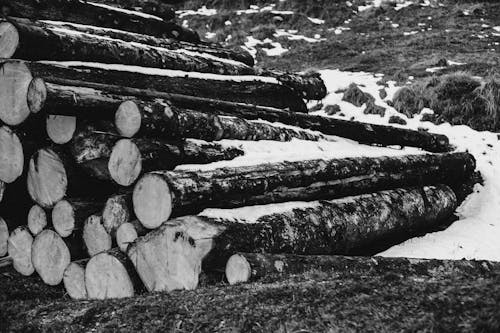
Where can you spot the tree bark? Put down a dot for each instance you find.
(160, 194)
(128, 232)
(19, 249)
(50, 256)
(95, 236)
(74, 279)
(69, 215)
(245, 89)
(111, 275)
(37, 220)
(327, 227)
(117, 210)
(37, 41)
(97, 15)
(4, 237)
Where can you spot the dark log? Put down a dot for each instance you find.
(110, 274)
(60, 129)
(128, 232)
(12, 155)
(19, 249)
(95, 236)
(74, 279)
(69, 215)
(327, 227)
(4, 237)
(100, 15)
(117, 210)
(37, 220)
(50, 257)
(37, 41)
(245, 89)
(158, 195)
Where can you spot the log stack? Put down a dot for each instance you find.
(100, 103)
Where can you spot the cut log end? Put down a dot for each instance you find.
(47, 179)
(9, 40)
(15, 79)
(152, 201)
(4, 237)
(37, 220)
(125, 162)
(106, 277)
(63, 218)
(128, 119)
(95, 236)
(60, 129)
(74, 280)
(126, 235)
(238, 269)
(116, 212)
(50, 257)
(12, 156)
(19, 248)
(37, 94)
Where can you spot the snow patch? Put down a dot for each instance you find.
(126, 11)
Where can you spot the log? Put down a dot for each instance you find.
(11, 155)
(19, 249)
(50, 257)
(4, 237)
(117, 210)
(5, 261)
(37, 41)
(84, 12)
(69, 215)
(339, 226)
(153, 7)
(245, 89)
(111, 275)
(37, 220)
(127, 233)
(15, 79)
(60, 129)
(251, 267)
(95, 236)
(158, 195)
(74, 279)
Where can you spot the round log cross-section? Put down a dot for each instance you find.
(50, 256)
(19, 248)
(11, 155)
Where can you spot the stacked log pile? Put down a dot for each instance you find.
(100, 104)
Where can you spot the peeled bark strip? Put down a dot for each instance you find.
(4, 237)
(37, 220)
(170, 256)
(158, 195)
(251, 90)
(250, 267)
(127, 233)
(19, 249)
(110, 275)
(50, 257)
(98, 15)
(95, 236)
(74, 279)
(69, 215)
(11, 155)
(60, 129)
(117, 211)
(40, 42)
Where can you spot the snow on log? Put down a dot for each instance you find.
(74, 279)
(111, 275)
(127, 233)
(95, 236)
(170, 256)
(19, 249)
(69, 215)
(11, 155)
(4, 237)
(37, 220)
(37, 41)
(157, 8)
(95, 14)
(158, 195)
(50, 257)
(250, 267)
(249, 89)
(117, 211)
(60, 129)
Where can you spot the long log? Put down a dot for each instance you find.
(111, 275)
(4, 237)
(97, 15)
(158, 195)
(117, 211)
(50, 257)
(256, 90)
(127, 233)
(69, 215)
(74, 279)
(328, 227)
(37, 220)
(153, 7)
(95, 236)
(19, 249)
(37, 41)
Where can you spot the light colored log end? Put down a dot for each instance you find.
(60, 129)
(152, 200)
(15, 78)
(37, 220)
(74, 280)
(9, 40)
(37, 94)
(95, 236)
(125, 162)
(50, 257)
(128, 119)
(47, 179)
(11, 155)
(126, 235)
(63, 218)
(19, 248)
(4, 237)
(238, 269)
(106, 277)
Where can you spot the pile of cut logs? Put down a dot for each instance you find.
(99, 104)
